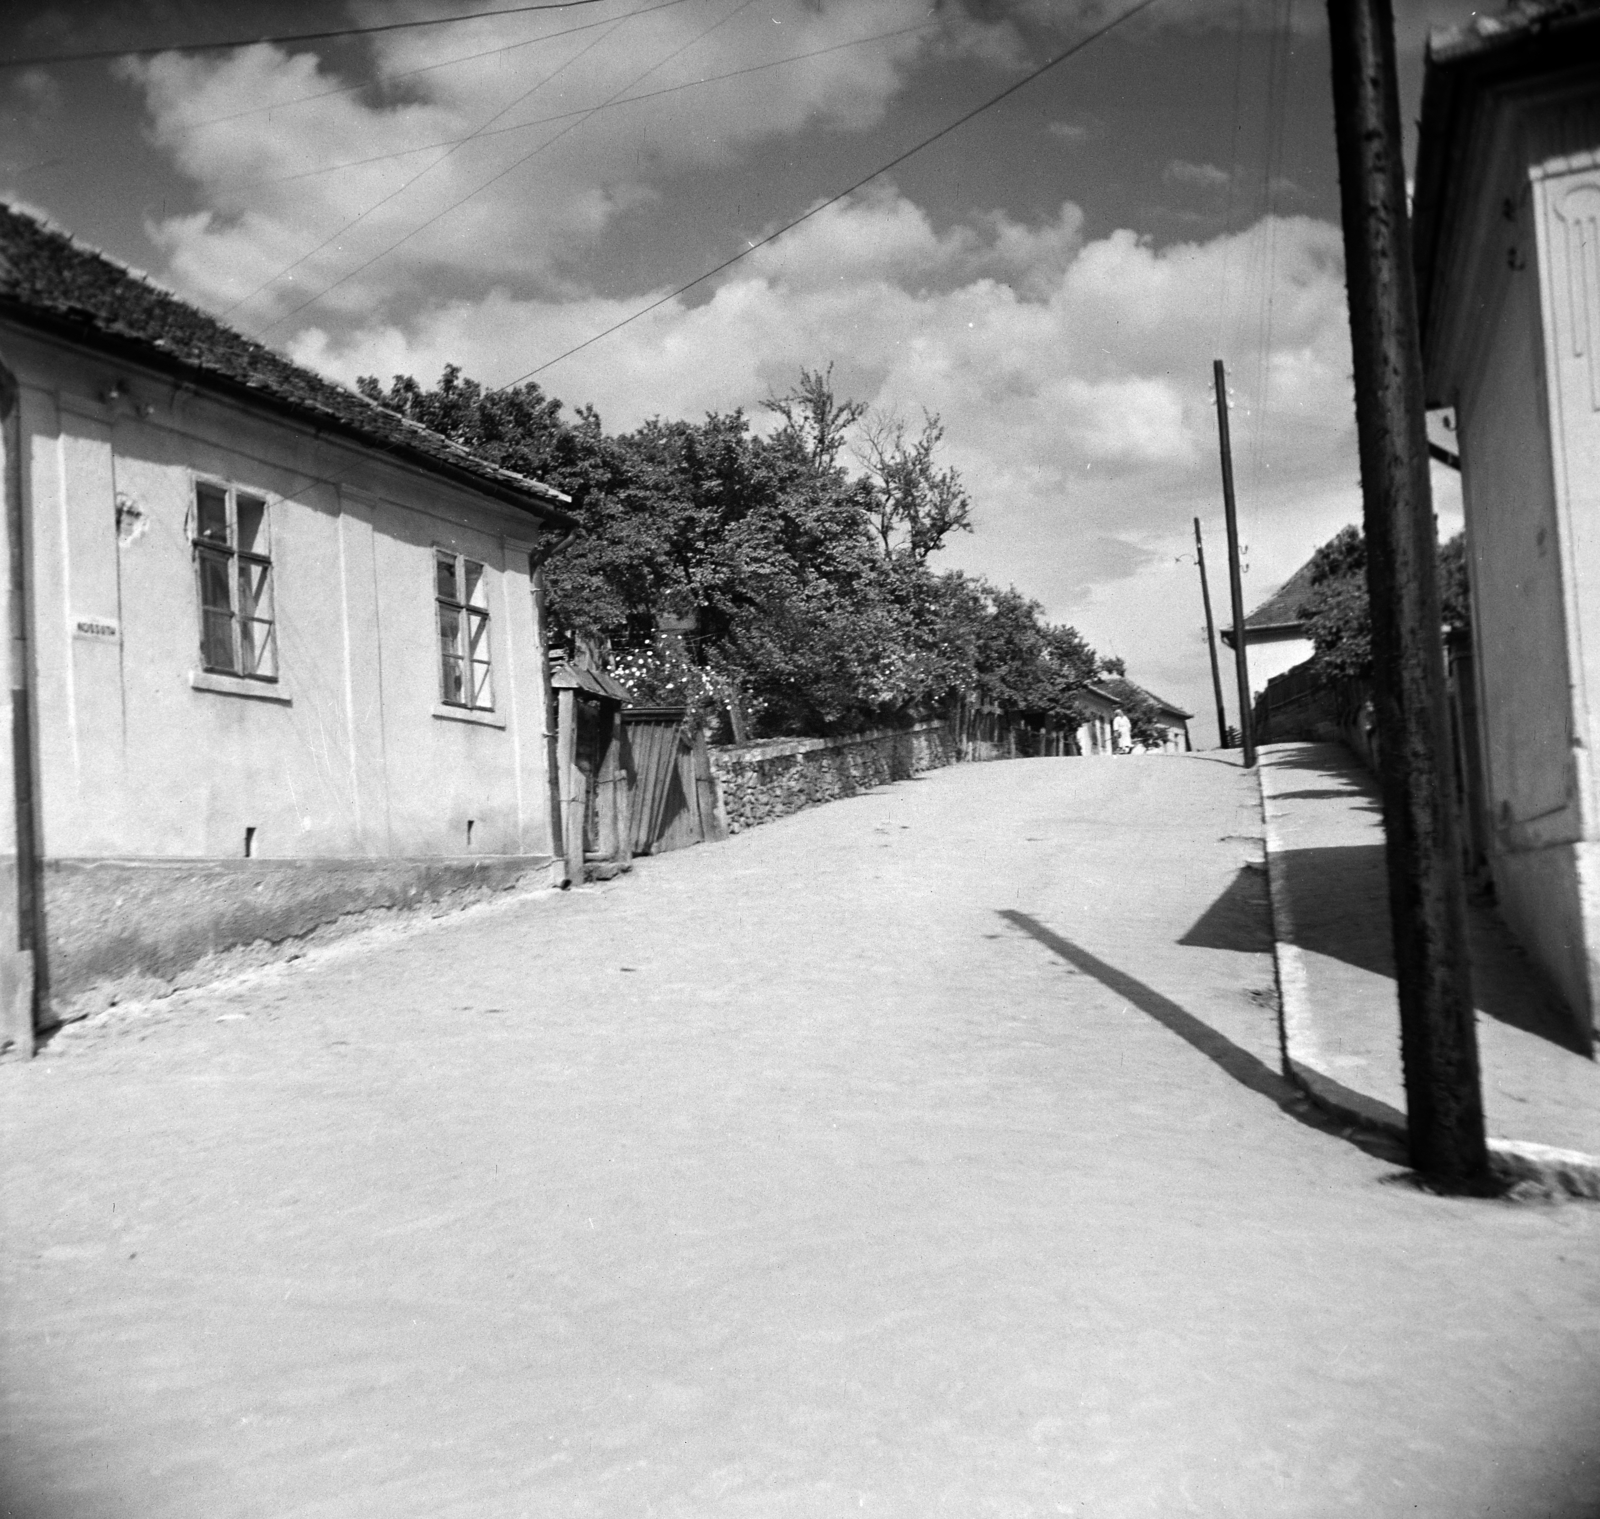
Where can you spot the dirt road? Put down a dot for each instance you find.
(919, 1155)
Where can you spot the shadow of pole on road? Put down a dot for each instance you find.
(1239, 1063)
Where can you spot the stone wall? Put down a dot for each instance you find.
(759, 782)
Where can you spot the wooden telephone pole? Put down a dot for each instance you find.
(1211, 638)
(1427, 903)
(1241, 664)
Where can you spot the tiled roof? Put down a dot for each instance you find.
(1122, 691)
(48, 280)
(1282, 607)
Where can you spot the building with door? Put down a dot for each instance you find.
(1507, 249)
(278, 654)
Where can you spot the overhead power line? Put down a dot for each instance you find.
(539, 121)
(388, 79)
(833, 200)
(738, 9)
(443, 63)
(426, 169)
(43, 60)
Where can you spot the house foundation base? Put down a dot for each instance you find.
(120, 929)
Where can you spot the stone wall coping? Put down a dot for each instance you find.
(783, 748)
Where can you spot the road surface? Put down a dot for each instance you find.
(918, 1155)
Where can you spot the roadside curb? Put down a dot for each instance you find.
(1571, 1172)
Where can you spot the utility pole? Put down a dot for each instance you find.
(1427, 902)
(1241, 665)
(1211, 638)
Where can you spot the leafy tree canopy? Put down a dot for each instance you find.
(758, 576)
(1339, 616)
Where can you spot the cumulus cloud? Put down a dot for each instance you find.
(511, 163)
(1072, 373)
(1206, 178)
(1073, 378)
(1073, 133)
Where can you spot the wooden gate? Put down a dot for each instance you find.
(674, 801)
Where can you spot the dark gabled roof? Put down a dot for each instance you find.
(1281, 609)
(1122, 691)
(1533, 39)
(50, 282)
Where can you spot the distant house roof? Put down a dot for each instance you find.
(1122, 691)
(50, 282)
(1279, 614)
(1533, 39)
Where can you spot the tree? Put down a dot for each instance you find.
(814, 422)
(809, 602)
(1336, 611)
(1144, 720)
(916, 505)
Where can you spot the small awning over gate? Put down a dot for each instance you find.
(568, 677)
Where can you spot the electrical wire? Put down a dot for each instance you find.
(45, 60)
(428, 68)
(1278, 78)
(426, 169)
(1234, 166)
(548, 142)
(884, 168)
(671, 89)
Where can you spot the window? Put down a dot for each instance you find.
(234, 574)
(462, 590)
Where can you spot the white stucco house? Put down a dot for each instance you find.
(1275, 637)
(1507, 248)
(1107, 730)
(1171, 721)
(277, 654)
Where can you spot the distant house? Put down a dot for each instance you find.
(1171, 721)
(1275, 637)
(1097, 732)
(1106, 728)
(278, 654)
(1507, 247)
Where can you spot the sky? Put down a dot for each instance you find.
(1052, 278)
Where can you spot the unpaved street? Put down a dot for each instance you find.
(922, 1154)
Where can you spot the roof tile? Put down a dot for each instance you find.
(47, 277)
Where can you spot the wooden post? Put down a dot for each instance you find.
(707, 795)
(607, 783)
(552, 723)
(1211, 638)
(22, 962)
(1427, 903)
(1247, 737)
(622, 745)
(571, 785)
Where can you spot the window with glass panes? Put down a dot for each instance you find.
(462, 593)
(233, 569)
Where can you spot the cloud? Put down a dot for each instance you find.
(504, 167)
(1073, 378)
(1073, 133)
(1072, 373)
(1206, 178)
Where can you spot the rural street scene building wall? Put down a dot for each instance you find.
(279, 671)
(1508, 214)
